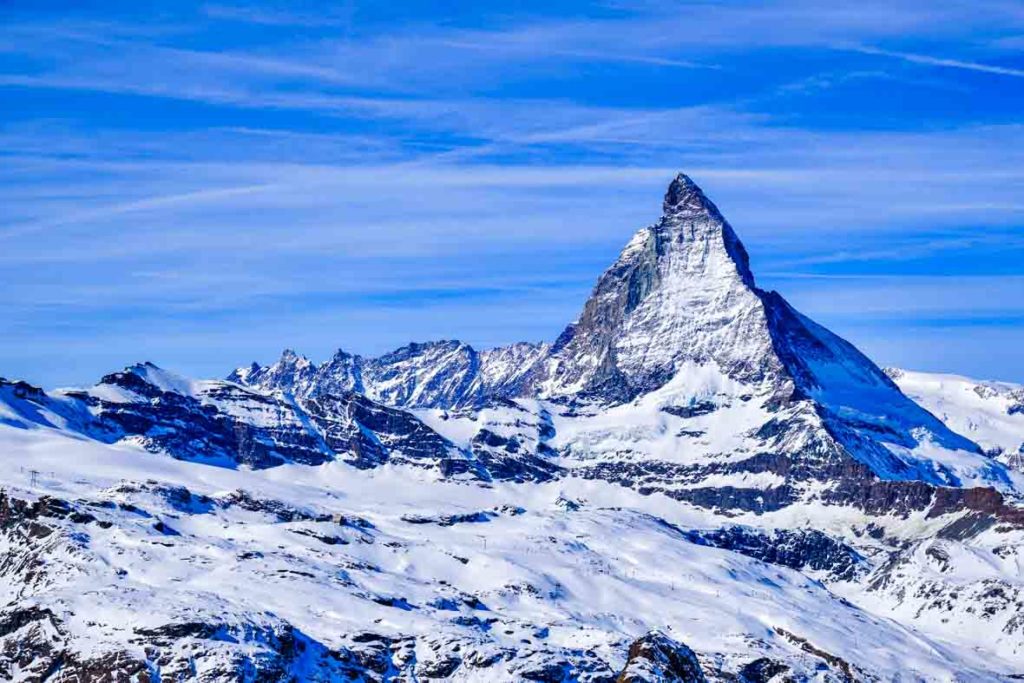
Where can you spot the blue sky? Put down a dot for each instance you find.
(203, 184)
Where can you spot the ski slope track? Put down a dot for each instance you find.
(693, 482)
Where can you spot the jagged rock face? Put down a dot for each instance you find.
(368, 434)
(656, 658)
(213, 422)
(444, 374)
(505, 369)
(423, 375)
(804, 549)
(680, 291)
(289, 373)
(342, 374)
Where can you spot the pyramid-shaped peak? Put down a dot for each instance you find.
(685, 197)
(681, 292)
(704, 229)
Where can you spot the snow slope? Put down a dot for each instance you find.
(990, 413)
(345, 557)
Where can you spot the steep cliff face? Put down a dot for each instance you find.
(682, 294)
(681, 291)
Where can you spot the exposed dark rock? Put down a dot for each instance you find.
(802, 549)
(326, 539)
(656, 658)
(838, 664)
(693, 410)
(968, 526)
(762, 670)
(369, 434)
(189, 429)
(546, 672)
(509, 459)
(451, 520)
(177, 497)
(283, 512)
(441, 667)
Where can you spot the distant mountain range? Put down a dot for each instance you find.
(747, 496)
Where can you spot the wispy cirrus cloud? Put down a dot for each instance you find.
(942, 62)
(319, 16)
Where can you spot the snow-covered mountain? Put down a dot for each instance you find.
(443, 374)
(693, 482)
(990, 413)
(675, 322)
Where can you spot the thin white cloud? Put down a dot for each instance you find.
(578, 54)
(928, 60)
(326, 16)
(160, 203)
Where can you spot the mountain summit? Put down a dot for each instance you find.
(681, 291)
(685, 201)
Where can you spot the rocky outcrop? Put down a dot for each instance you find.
(368, 434)
(656, 658)
(216, 422)
(846, 672)
(806, 550)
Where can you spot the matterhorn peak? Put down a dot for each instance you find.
(680, 292)
(700, 227)
(685, 197)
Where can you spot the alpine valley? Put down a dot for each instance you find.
(693, 482)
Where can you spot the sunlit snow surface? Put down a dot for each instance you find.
(990, 413)
(594, 574)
